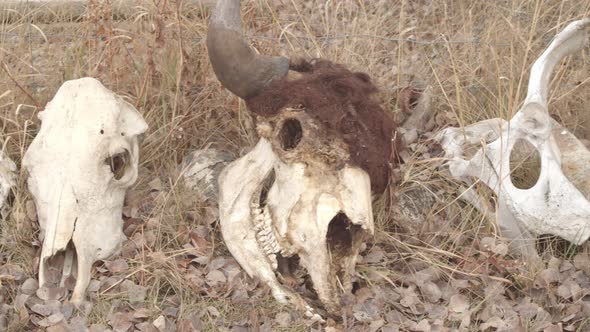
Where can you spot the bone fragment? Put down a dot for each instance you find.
(558, 203)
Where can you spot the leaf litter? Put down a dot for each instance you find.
(395, 292)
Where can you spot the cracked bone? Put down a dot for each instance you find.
(557, 204)
(200, 170)
(79, 165)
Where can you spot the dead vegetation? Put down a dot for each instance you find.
(435, 263)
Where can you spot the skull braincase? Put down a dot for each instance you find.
(80, 164)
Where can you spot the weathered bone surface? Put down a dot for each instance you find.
(80, 164)
(314, 211)
(304, 192)
(200, 170)
(558, 202)
(7, 181)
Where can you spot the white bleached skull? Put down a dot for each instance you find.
(557, 203)
(80, 164)
(305, 190)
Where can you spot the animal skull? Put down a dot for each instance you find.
(80, 164)
(313, 209)
(299, 192)
(558, 203)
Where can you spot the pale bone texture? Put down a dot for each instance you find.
(200, 170)
(7, 182)
(277, 203)
(79, 166)
(295, 196)
(558, 203)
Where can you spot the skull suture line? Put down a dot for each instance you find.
(305, 189)
(558, 202)
(80, 164)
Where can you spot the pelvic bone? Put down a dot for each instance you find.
(558, 203)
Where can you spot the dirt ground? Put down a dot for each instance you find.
(435, 263)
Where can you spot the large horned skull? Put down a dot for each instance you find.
(557, 203)
(297, 192)
(80, 164)
(315, 209)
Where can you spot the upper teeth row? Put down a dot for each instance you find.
(265, 234)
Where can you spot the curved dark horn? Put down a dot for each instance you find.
(235, 64)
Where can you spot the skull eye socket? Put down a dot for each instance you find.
(118, 163)
(290, 134)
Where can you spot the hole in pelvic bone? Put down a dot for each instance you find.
(118, 163)
(290, 134)
(525, 165)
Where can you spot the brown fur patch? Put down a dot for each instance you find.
(342, 102)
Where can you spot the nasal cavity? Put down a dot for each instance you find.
(341, 235)
(118, 163)
(525, 165)
(290, 134)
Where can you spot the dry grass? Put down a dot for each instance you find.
(475, 56)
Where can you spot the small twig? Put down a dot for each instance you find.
(20, 86)
(119, 282)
